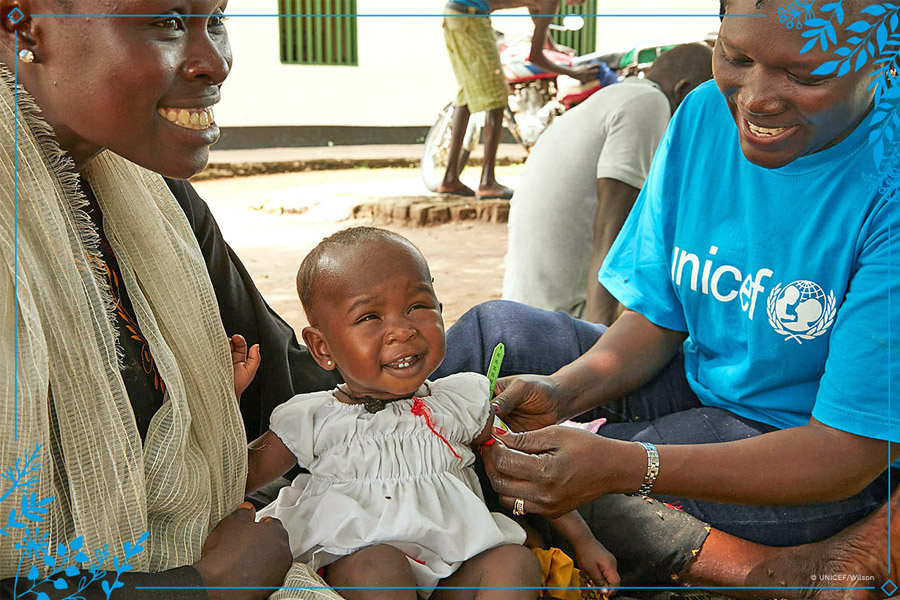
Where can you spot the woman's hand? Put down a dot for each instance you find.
(557, 469)
(528, 402)
(627, 356)
(239, 552)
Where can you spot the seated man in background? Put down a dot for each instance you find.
(581, 180)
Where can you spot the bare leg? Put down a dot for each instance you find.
(451, 183)
(855, 557)
(488, 186)
(376, 566)
(512, 567)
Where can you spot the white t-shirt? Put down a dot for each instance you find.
(613, 134)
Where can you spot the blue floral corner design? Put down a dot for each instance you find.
(878, 42)
(70, 569)
(796, 14)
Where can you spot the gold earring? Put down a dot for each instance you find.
(26, 55)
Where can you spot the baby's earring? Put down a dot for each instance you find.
(329, 363)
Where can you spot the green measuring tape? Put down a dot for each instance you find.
(494, 368)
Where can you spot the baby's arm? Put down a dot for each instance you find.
(486, 431)
(591, 556)
(267, 460)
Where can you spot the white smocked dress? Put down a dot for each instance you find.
(387, 478)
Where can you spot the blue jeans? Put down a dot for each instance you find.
(665, 411)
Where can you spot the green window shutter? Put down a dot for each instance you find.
(307, 38)
(584, 40)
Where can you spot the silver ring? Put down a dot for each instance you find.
(519, 509)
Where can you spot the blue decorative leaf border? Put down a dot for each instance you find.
(796, 14)
(879, 42)
(884, 49)
(63, 563)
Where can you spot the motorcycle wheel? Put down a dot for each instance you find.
(509, 122)
(437, 147)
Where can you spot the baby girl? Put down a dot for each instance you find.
(393, 503)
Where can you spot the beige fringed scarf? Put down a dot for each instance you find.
(192, 468)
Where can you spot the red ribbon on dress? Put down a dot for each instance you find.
(420, 409)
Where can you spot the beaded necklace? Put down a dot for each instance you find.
(372, 405)
(419, 409)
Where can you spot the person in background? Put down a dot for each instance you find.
(482, 86)
(587, 168)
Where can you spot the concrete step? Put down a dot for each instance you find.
(431, 210)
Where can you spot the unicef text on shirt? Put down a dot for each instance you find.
(800, 310)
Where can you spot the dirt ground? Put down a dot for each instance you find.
(466, 259)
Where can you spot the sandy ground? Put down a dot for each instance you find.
(466, 259)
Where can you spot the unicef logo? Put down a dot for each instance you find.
(800, 310)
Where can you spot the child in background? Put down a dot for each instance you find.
(393, 500)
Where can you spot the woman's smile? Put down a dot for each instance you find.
(781, 109)
(189, 118)
(758, 135)
(152, 81)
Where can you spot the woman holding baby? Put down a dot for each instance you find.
(121, 380)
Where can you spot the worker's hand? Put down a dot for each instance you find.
(527, 402)
(557, 469)
(239, 552)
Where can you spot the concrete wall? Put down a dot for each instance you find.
(403, 76)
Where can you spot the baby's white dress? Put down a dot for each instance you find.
(386, 478)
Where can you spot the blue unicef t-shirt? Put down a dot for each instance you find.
(783, 278)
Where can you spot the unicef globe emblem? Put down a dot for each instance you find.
(800, 310)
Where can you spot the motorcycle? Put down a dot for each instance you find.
(536, 98)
